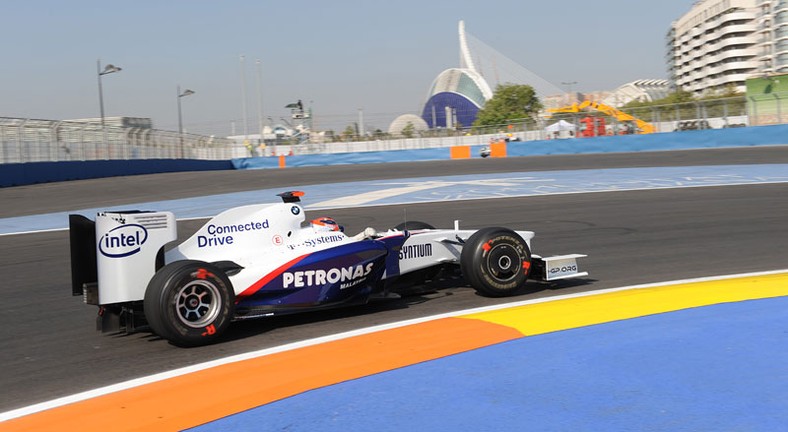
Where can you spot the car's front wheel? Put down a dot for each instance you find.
(495, 261)
(189, 303)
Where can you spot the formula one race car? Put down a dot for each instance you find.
(262, 260)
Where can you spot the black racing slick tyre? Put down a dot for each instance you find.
(189, 303)
(413, 225)
(495, 261)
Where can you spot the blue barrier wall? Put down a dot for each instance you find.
(41, 172)
(700, 139)
(712, 138)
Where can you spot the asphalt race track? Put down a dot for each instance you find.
(50, 348)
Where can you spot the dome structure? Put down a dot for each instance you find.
(399, 123)
(455, 98)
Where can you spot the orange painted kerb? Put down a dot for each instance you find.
(460, 152)
(204, 396)
(189, 400)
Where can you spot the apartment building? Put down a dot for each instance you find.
(718, 44)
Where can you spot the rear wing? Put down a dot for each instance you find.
(82, 241)
(114, 257)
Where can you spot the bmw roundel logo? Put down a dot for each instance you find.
(295, 210)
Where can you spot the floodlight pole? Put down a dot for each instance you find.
(99, 73)
(259, 98)
(107, 70)
(101, 92)
(569, 91)
(243, 98)
(186, 92)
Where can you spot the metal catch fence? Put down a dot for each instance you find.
(29, 140)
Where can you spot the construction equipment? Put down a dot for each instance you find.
(591, 127)
(641, 126)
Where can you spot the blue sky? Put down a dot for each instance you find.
(338, 56)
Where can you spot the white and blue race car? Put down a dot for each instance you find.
(264, 260)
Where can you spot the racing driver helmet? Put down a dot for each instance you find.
(325, 224)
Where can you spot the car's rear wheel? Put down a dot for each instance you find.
(189, 303)
(495, 261)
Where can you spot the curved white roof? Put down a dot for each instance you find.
(645, 90)
(399, 123)
(462, 81)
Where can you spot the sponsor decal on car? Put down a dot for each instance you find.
(415, 251)
(346, 276)
(317, 241)
(123, 241)
(220, 235)
(563, 270)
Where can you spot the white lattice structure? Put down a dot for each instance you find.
(497, 68)
(645, 90)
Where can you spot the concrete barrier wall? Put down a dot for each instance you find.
(41, 172)
(18, 174)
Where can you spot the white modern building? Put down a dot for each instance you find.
(643, 90)
(773, 32)
(718, 44)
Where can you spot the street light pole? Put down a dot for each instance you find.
(107, 70)
(185, 93)
(569, 92)
(243, 97)
(259, 98)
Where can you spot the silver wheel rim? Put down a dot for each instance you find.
(197, 303)
(501, 263)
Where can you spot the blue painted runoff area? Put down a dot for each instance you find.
(714, 368)
(436, 189)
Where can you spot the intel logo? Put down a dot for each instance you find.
(123, 241)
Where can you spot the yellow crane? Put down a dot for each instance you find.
(642, 126)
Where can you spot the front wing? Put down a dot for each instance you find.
(427, 248)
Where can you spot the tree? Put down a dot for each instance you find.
(682, 104)
(349, 133)
(510, 102)
(729, 91)
(408, 130)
